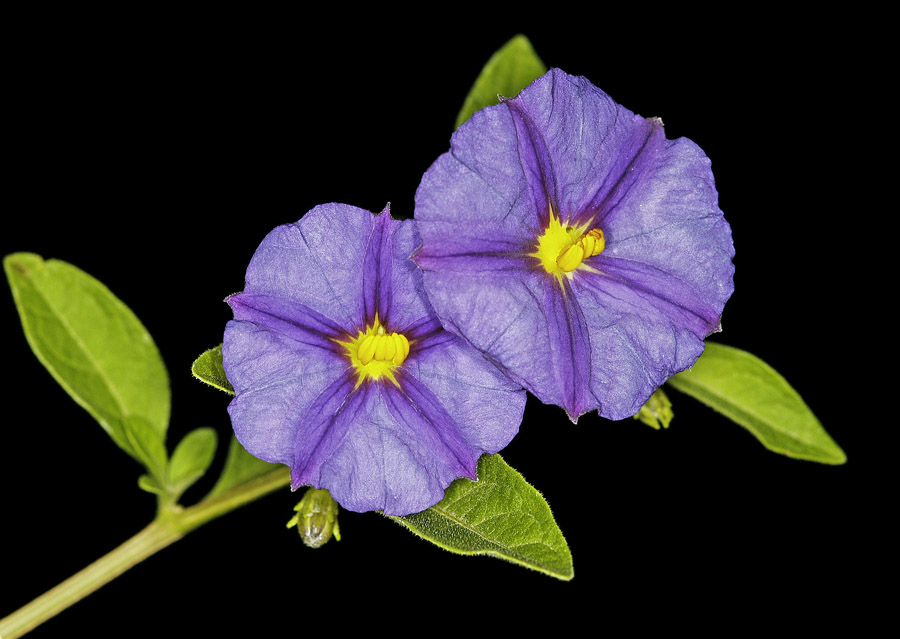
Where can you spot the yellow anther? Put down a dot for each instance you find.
(594, 242)
(366, 350)
(570, 257)
(384, 348)
(402, 348)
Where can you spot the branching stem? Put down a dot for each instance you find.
(170, 525)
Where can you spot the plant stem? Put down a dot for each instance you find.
(168, 527)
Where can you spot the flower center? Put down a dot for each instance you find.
(375, 353)
(562, 248)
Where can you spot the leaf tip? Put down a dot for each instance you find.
(20, 263)
(836, 457)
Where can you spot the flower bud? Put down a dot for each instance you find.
(316, 518)
(657, 411)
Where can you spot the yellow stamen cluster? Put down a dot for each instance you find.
(563, 248)
(375, 353)
(382, 347)
(592, 243)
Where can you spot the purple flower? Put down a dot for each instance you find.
(342, 371)
(575, 246)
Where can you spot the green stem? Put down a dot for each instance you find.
(168, 527)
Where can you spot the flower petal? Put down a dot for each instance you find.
(317, 262)
(590, 141)
(407, 304)
(567, 335)
(523, 323)
(485, 405)
(390, 448)
(291, 319)
(476, 198)
(275, 378)
(671, 222)
(644, 327)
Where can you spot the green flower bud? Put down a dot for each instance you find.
(316, 518)
(657, 411)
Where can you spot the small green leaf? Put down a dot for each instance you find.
(191, 459)
(151, 485)
(747, 390)
(208, 368)
(499, 515)
(240, 467)
(512, 68)
(144, 444)
(91, 343)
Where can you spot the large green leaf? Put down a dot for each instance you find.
(501, 515)
(94, 346)
(208, 368)
(512, 68)
(746, 389)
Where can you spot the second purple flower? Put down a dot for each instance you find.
(575, 246)
(342, 371)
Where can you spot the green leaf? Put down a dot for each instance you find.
(240, 467)
(143, 443)
(191, 459)
(499, 515)
(208, 368)
(512, 68)
(747, 390)
(92, 344)
(151, 485)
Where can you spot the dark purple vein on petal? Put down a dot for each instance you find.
(537, 165)
(618, 183)
(417, 397)
(377, 294)
(318, 422)
(425, 334)
(293, 320)
(569, 331)
(669, 298)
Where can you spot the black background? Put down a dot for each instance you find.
(156, 151)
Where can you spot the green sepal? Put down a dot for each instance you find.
(750, 392)
(208, 368)
(500, 515)
(94, 347)
(657, 412)
(512, 68)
